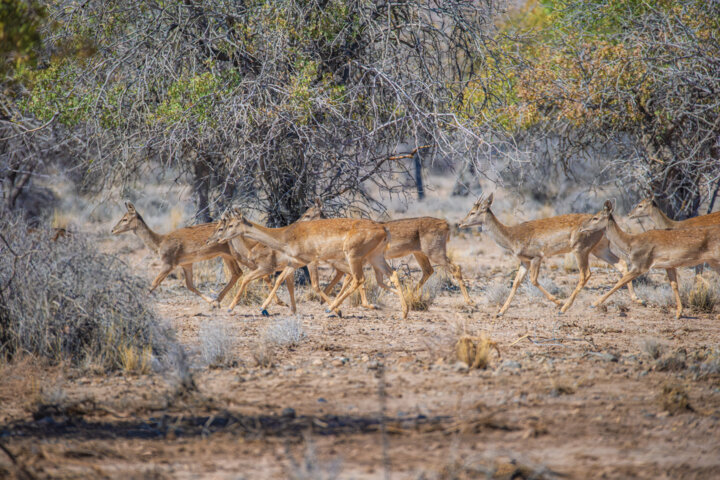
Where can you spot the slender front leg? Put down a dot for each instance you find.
(235, 273)
(584, 269)
(161, 276)
(534, 272)
(188, 274)
(281, 278)
(628, 277)
(270, 284)
(425, 266)
(522, 271)
(672, 278)
(290, 284)
(403, 304)
(333, 282)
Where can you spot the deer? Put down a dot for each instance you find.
(648, 208)
(181, 247)
(533, 241)
(262, 259)
(668, 249)
(426, 239)
(345, 243)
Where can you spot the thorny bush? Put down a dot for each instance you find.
(65, 301)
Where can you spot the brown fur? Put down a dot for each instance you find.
(668, 249)
(648, 208)
(262, 259)
(339, 241)
(533, 241)
(181, 247)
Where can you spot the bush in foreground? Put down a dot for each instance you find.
(65, 301)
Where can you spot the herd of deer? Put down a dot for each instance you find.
(348, 244)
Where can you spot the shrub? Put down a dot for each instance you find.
(286, 332)
(497, 293)
(65, 301)
(420, 301)
(217, 343)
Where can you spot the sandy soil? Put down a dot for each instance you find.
(573, 396)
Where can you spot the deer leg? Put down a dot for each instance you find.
(379, 264)
(188, 274)
(269, 282)
(235, 273)
(534, 272)
(281, 278)
(672, 278)
(290, 284)
(333, 282)
(522, 271)
(358, 278)
(584, 269)
(161, 276)
(627, 278)
(425, 266)
(621, 265)
(247, 278)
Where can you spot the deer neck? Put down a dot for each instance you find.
(274, 238)
(151, 239)
(498, 232)
(617, 236)
(661, 220)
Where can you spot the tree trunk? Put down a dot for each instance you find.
(201, 189)
(418, 177)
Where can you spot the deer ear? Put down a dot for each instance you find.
(318, 202)
(653, 202)
(608, 207)
(130, 207)
(237, 212)
(490, 199)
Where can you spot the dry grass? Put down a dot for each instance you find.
(475, 351)
(420, 301)
(652, 348)
(700, 297)
(674, 399)
(285, 332)
(135, 359)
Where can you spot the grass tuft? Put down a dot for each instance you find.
(475, 351)
(217, 344)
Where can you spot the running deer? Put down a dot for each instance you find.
(344, 243)
(531, 242)
(648, 208)
(668, 249)
(181, 247)
(262, 259)
(426, 239)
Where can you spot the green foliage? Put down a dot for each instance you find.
(20, 23)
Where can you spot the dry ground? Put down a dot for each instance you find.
(573, 396)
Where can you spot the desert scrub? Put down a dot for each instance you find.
(217, 344)
(65, 301)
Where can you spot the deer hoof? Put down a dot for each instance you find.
(264, 312)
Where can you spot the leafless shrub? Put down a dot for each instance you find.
(497, 293)
(652, 347)
(674, 398)
(217, 343)
(711, 364)
(660, 295)
(263, 354)
(533, 292)
(286, 332)
(64, 301)
(309, 467)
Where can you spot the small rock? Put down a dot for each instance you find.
(321, 400)
(288, 412)
(374, 365)
(365, 358)
(337, 363)
(317, 362)
(461, 367)
(511, 364)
